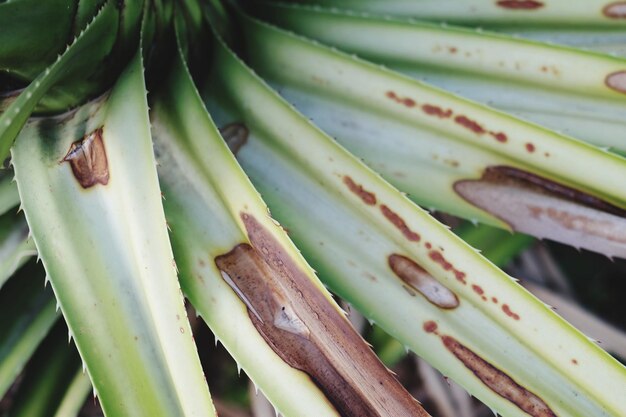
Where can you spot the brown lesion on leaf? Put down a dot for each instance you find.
(510, 174)
(520, 4)
(498, 381)
(368, 197)
(235, 135)
(405, 101)
(539, 206)
(617, 80)
(419, 279)
(615, 10)
(88, 159)
(438, 257)
(400, 224)
(436, 111)
(301, 325)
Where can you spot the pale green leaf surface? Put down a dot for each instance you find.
(106, 251)
(564, 89)
(533, 13)
(301, 174)
(9, 197)
(421, 138)
(206, 194)
(15, 246)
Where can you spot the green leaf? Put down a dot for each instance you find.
(580, 93)
(89, 189)
(392, 261)
(46, 377)
(485, 165)
(248, 281)
(27, 312)
(85, 54)
(15, 245)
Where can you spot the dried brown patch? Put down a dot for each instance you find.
(617, 81)
(367, 197)
(88, 160)
(504, 173)
(299, 323)
(616, 10)
(235, 135)
(544, 208)
(498, 381)
(417, 278)
(520, 4)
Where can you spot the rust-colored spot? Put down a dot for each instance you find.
(397, 221)
(452, 49)
(430, 326)
(574, 361)
(428, 245)
(438, 257)
(617, 81)
(498, 381)
(530, 147)
(366, 196)
(304, 329)
(616, 10)
(235, 135)
(406, 101)
(494, 300)
(436, 111)
(507, 310)
(419, 279)
(499, 136)
(469, 124)
(88, 159)
(478, 289)
(520, 4)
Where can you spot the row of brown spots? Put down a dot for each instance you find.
(478, 289)
(367, 196)
(419, 279)
(397, 221)
(437, 111)
(520, 4)
(438, 257)
(499, 136)
(507, 310)
(616, 10)
(406, 101)
(469, 124)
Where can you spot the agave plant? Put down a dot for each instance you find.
(136, 200)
